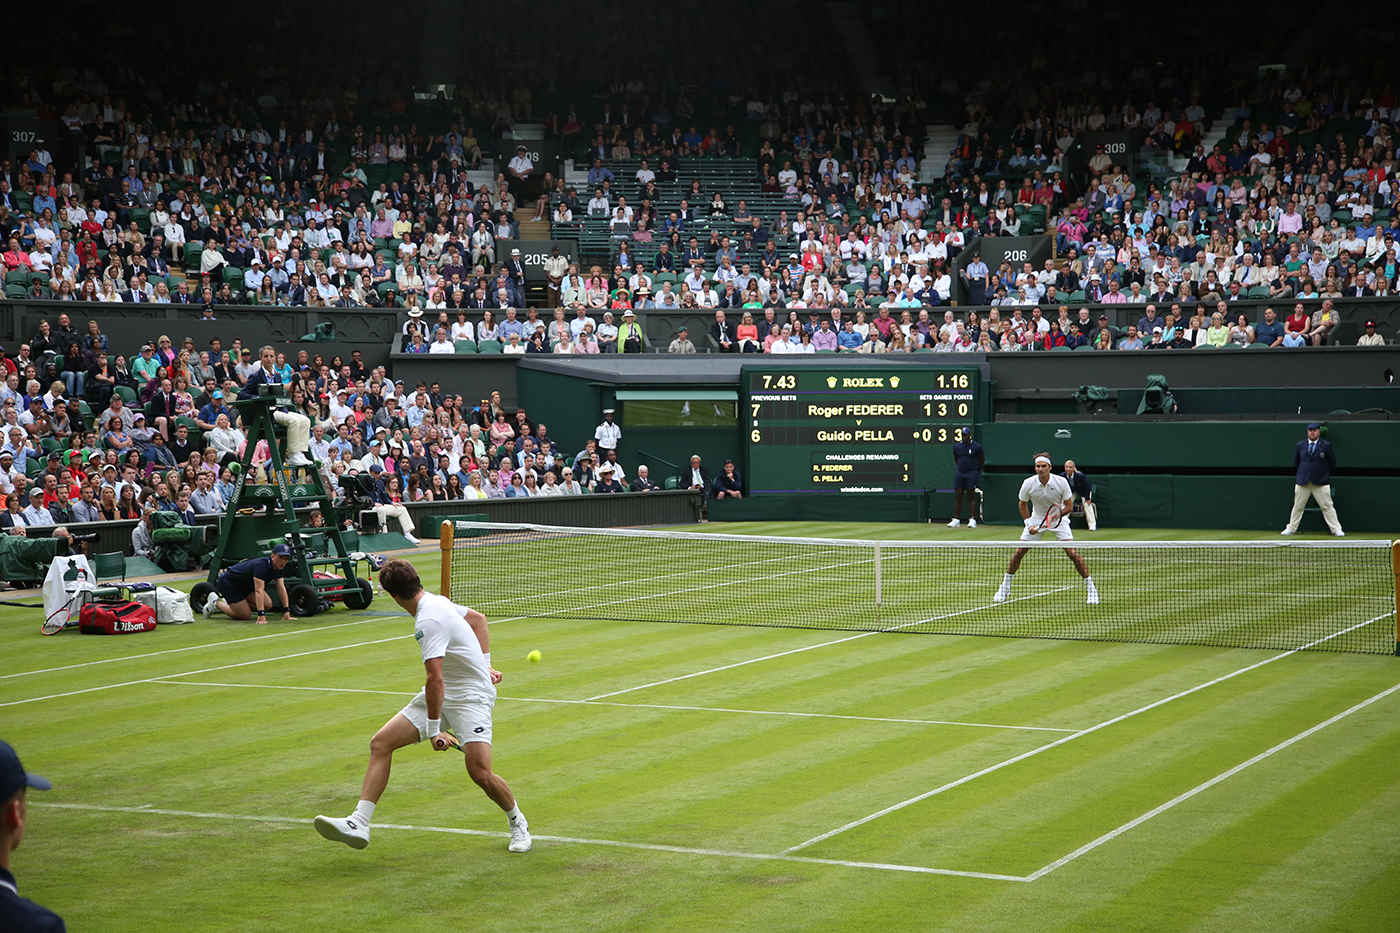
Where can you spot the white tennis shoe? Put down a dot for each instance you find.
(519, 835)
(1288, 531)
(972, 523)
(211, 605)
(352, 832)
(954, 523)
(1001, 594)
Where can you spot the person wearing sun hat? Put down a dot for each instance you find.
(18, 913)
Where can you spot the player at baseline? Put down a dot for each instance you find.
(460, 689)
(1046, 494)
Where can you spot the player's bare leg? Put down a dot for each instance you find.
(478, 760)
(239, 610)
(392, 736)
(1015, 564)
(1012, 566)
(353, 830)
(1078, 560)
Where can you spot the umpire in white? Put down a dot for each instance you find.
(1314, 461)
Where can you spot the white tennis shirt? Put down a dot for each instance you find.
(1055, 491)
(442, 632)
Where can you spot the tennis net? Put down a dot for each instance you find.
(1318, 595)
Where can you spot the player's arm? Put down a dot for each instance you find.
(1025, 510)
(286, 603)
(433, 691)
(260, 599)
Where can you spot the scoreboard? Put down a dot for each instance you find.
(865, 429)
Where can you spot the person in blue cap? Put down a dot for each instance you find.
(1314, 462)
(247, 580)
(18, 914)
(969, 459)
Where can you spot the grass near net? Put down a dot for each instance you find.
(1279, 597)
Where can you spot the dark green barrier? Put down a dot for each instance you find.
(1161, 446)
(1248, 502)
(818, 507)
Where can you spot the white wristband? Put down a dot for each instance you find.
(487, 655)
(433, 728)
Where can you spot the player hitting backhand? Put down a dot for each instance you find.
(460, 690)
(1044, 498)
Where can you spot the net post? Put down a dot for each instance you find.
(445, 545)
(1395, 566)
(879, 582)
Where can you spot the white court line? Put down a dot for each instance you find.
(214, 644)
(220, 644)
(713, 586)
(1089, 847)
(568, 840)
(666, 576)
(207, 670)
(225, 667)
(205, 683)
(693, 709)
(769, 712)
(825, 644)
(1069, 738)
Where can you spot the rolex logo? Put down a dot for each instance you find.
(831, 382)
(894, 382)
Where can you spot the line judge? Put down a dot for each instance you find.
(1314, 462)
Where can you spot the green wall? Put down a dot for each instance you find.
(1102, 446)
(1364, 503)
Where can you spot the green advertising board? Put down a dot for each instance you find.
(855, 430)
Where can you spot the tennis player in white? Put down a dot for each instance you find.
(1044, 498)
(460, 689)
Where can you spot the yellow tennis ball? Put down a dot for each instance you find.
(534, 657)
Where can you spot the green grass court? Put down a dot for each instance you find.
(704, 777)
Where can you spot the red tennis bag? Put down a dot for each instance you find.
(116, 618)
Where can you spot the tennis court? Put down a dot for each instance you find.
(683, 777)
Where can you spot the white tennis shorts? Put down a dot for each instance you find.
(1061, 532)
(470, 720)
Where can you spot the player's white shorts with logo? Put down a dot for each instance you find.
(469, 719)
(1061, 531)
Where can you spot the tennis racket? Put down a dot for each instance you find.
(1051, 519)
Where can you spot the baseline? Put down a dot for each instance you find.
(1069, 738)
(1206, 785)
(568, 840)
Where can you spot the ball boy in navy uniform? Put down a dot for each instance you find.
(970, 458)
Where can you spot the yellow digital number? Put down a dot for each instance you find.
(942, 435)
(754, 406)
(754, 436)
(962, 408)
(942, 409)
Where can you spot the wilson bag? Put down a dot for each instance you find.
(116, 618)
